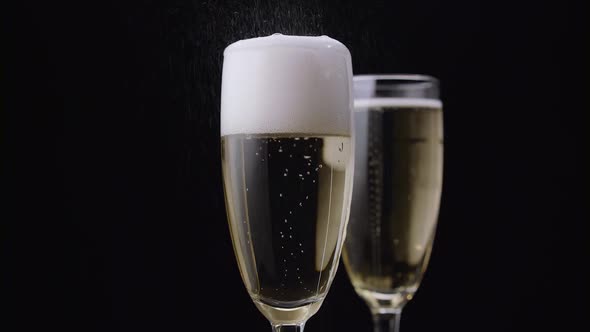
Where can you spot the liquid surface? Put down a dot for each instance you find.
(397, 187)
(287, 199)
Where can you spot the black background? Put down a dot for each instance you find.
(113, 216)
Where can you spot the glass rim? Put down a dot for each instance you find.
(416, 78)
(379, 86)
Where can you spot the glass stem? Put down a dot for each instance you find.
(288, 328)
(388, 322)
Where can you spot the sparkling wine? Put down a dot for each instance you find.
(287, 198)
(397, 189)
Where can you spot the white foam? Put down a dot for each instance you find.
(362, 103)
(286, 84)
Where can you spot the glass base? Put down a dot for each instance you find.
(385, 303)
(288, 316)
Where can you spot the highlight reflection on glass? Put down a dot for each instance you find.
(287, 159)
(396, 193)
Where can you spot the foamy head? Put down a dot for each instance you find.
(363, 103)
(286, 84)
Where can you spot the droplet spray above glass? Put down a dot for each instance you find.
(397, 189)
(287, 157)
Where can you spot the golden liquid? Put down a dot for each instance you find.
(397, 188)
(287, 199)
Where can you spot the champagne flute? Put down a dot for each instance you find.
(287, 158)
(397, 188)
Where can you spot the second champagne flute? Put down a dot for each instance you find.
(397, 188)
(287, 161)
